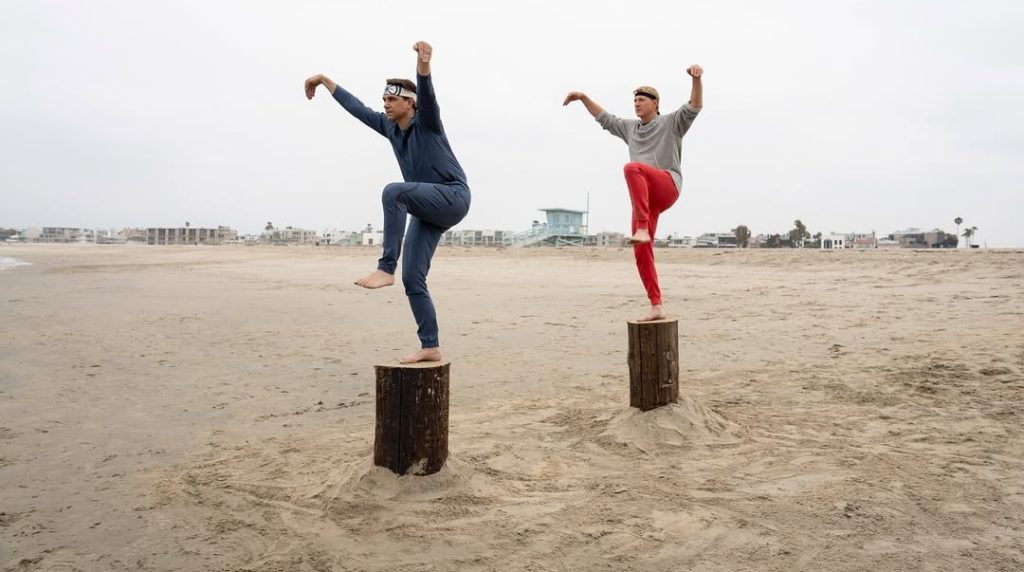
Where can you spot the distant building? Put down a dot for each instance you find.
(372, 237)
(63, 234)
(335, 237)
(727, 240)
(909, 238)
(861, 240)
(681, 242)
(110, 236)
(289, 236)
(707, 240)
(833, 241)
(190, 235)
(134, 235)
(916, 238)
(26, 235)
(610, 239)
(469, 237)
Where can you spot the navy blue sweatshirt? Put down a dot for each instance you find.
(422, 149)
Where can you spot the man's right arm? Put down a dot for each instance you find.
(609, 122)
(590, 104)
(373, 119)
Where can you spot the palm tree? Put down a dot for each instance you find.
(969, 233)
(270, 226)
(958, 220)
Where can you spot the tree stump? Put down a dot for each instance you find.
(653, 363)
(411, 434)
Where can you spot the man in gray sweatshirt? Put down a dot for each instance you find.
(435, 194)
(653, 175)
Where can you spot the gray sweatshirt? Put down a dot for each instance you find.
(659, 143)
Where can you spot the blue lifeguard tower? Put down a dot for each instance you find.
(563, 227)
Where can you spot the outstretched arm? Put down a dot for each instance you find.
(612, 124)
(426, 101)
(697, 91)
(684, 116)
(591, 106)
(319, 79)
(373, 119)
(424, 51)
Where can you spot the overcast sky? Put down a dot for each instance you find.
(851, 116)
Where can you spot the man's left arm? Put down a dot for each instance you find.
(687, 113)
(697, 91)
(426, 101)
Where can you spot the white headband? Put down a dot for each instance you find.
(399, 91)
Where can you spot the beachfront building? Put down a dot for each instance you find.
(162, 236)
(290, 235)
(610, 239)
(676, 241)
(372, 237)
(134, 235)
(726, 240)
(110, 236)
(916, 238)
(65, 235)
(862, 240)
(468, 237)
(833, 241)
(335, 237)
(707, 240)
(30, 234)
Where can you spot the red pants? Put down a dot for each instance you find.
(652, 192)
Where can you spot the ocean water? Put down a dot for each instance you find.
(7, 262)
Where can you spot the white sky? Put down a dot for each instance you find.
(852, 116)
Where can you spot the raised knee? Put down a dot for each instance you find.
(391, 192)
(631, 168)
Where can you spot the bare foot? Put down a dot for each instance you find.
(641, 236)
(426, 354)
(656, 313)
(378, 279)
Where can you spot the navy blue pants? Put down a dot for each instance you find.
(434, 208)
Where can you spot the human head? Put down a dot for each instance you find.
(646, 102)
(399, 99)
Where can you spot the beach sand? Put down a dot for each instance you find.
(212, 408)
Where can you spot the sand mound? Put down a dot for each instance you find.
(366, 482)
(684, 423)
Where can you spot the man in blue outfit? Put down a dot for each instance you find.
(435, 191)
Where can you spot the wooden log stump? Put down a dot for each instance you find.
(653, 363)
(411, 433)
